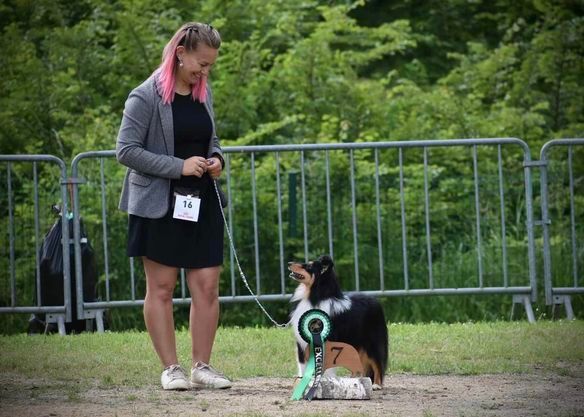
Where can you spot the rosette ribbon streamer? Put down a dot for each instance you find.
(314, 327)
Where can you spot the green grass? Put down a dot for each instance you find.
(128, 359)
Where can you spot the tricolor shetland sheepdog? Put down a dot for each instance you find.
(356, 319)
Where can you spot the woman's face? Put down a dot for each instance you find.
(197, 63)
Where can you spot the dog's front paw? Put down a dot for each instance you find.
(377, 387)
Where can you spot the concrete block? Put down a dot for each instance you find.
(344, 388)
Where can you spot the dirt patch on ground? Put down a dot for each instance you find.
(539, 394)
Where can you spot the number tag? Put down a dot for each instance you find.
(186, 207)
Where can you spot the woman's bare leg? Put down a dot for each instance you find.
(204, 315)
(158, 313)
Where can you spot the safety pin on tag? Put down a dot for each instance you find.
(186, 207)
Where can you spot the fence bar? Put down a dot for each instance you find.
(230, 215)
(329, 205)
(567, 290)
(280, 231)
(37, 233)
(427, 213)
(545, 221)
(286, 297)
(304, 206)
(132, 280)
(572, 218)
(378, 206)
(32, 309)
(478, 214)
(529, 215)
(66, 245)
(438, 143)
(11, 237)
(403, 219)
(255, 224)
(354, 220)
(183, 292)
(104, 228)
(503, 226)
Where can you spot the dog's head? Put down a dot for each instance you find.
(310, 272)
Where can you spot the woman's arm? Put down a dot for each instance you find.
(130, 145)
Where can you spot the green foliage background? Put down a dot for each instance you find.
(292, 72)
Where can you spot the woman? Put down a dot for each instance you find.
(167, 140)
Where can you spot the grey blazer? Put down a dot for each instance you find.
(145, 144)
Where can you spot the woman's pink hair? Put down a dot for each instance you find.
(189, 35)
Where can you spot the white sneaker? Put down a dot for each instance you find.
(205, 376)
(174, 378)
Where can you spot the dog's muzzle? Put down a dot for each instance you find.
(296, 277)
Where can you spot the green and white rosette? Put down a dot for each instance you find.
(314, 327)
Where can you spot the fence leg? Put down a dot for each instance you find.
(524, 300)
(99, 320)
(566, 300)
(59, 319)
(61, 325)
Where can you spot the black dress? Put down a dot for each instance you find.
(175, 242)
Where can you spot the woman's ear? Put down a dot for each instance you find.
(180, 51)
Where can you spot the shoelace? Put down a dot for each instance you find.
(175, 371)
(203, 366)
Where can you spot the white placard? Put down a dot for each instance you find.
(186, 207)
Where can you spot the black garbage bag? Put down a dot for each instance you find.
(51, 256)
(52, 276)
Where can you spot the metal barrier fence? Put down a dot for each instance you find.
(374, 207)
(378, 185)
(555, 292)
(29, 197)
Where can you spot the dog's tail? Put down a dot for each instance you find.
(385, 350)
(380, 350)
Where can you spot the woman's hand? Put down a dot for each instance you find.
(195, 165)
(214, 167)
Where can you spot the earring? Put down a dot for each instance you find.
(180, 64)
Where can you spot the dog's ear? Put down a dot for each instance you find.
(326, 263)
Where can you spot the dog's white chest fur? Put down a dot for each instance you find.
(331, 306)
